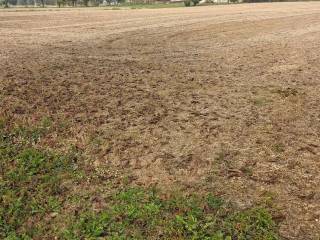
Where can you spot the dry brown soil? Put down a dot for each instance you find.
(217, 98)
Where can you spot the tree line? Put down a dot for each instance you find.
(86, 3)
(59, 3)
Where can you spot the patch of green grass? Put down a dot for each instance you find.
(136, 213)
(37, 202)
(30, 183)
(279, 147)
(254, 223)
(260, 102)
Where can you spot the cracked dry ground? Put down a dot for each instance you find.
(221, 98)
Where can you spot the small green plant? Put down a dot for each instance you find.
(279, 147)
(214, 202)
(260, 101)
(247, 170)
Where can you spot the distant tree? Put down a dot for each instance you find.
(42, 3)
(12, 2)
(195, 2)
(187, 3)
(22, 2)
(61, 3)
(6, 3)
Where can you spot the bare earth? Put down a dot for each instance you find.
(220, 98)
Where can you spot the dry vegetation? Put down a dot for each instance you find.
(221, 99)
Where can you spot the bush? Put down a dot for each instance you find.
(4, 3)
(187, 3)
(195, 2)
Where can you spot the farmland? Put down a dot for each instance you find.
(211, 99)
